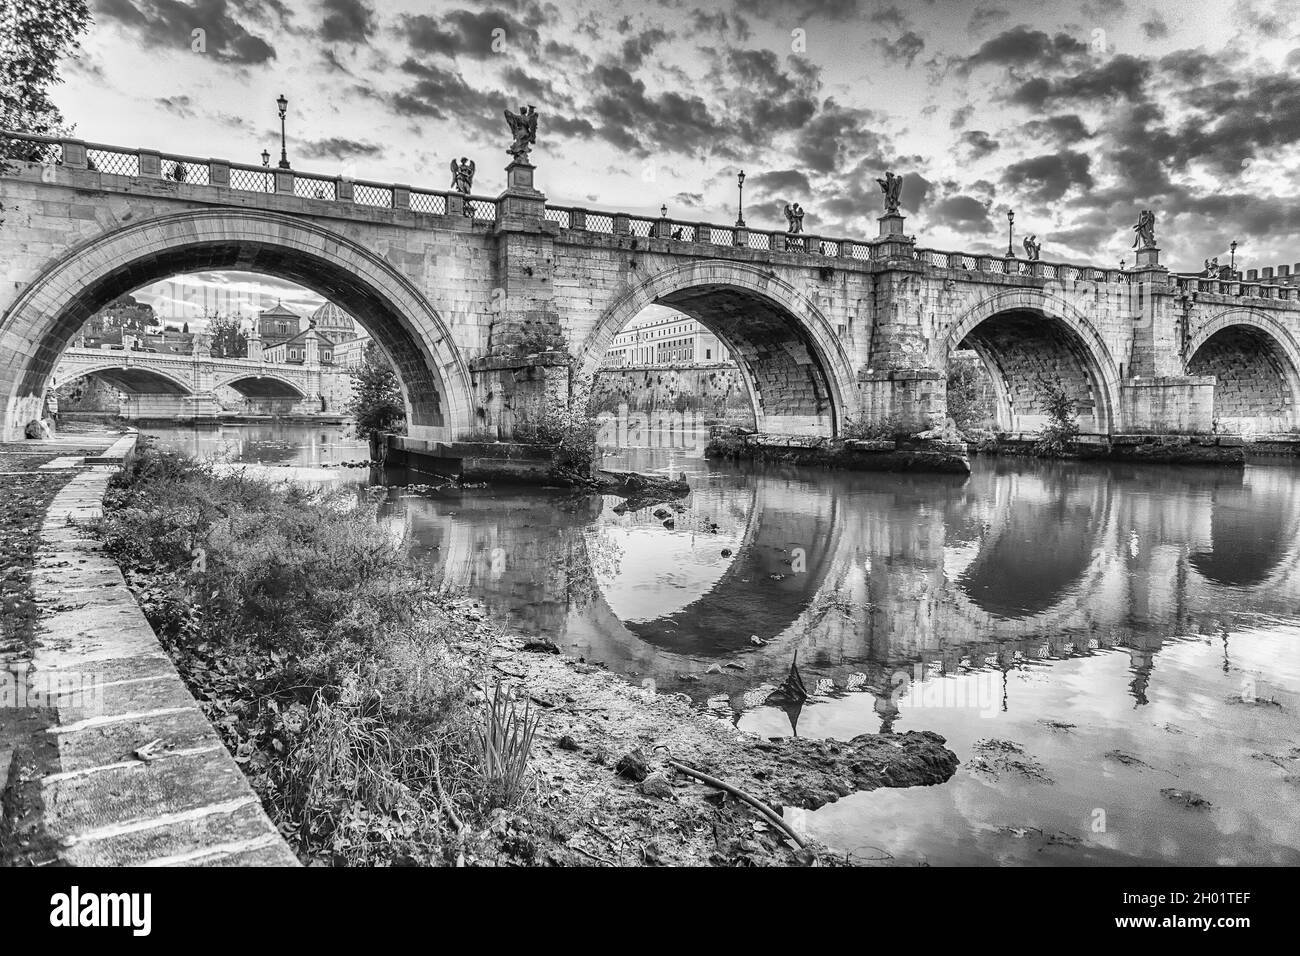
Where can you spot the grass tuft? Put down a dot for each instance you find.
(503, 743)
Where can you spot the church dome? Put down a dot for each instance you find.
(330, 318)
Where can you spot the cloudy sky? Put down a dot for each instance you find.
(1075, 113)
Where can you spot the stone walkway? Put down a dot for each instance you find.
(132, 773)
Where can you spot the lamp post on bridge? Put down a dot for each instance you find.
(1011, 219)
(266, 163)
(740, 203)
(1232, 261)
(283, 104)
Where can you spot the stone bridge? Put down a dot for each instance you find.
(162, 385)
(483, 304)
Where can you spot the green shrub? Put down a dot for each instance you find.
(376, 404)
(1060, 432)
(568, 423)
(858, 428)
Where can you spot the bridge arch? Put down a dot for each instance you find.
(435, 381)
(800, 376)
(1256, 364)
(127, 377)
(1023, 335)
(261, 384)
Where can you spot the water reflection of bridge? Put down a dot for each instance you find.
(867, 575)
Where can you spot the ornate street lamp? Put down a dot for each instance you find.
(663, 211)
(266, 162)
(1232, 262)
(283, 104)
(740, 203)
(1011, 219)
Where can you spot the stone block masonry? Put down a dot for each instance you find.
(473, 309)
(94, 795)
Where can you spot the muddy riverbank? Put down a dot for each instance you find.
(591, 720)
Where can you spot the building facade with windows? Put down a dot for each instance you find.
(665, 340)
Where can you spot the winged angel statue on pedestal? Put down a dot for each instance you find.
(523, 127)
(462, 175)
(892, 187)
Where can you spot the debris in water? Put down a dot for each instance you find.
(1188, 798)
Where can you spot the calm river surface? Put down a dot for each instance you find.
(1096, 642)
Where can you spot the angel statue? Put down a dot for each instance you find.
(891, 186)
(523, 127)
(794, 216)
(1212, 268)
(1145, 230)
(462, 175)
(1033, 248)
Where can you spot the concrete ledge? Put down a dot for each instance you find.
(119, 453)
(472, 461)
(113, 690)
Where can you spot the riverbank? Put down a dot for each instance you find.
(1226, 450)
(80, 419)
(354, 694)
(850, 454)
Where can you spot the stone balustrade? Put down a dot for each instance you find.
(1280, 283)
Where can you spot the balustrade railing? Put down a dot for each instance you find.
(434, 204)
(192, 171)
(252, 179)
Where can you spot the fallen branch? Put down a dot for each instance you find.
(773, 817)
(591, 856)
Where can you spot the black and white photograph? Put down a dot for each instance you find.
(658, 435)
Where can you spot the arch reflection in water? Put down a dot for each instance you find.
(867, 576)
(1116, 627)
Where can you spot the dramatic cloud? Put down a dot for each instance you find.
(1063, 130)
(1154, 27)
(338, 148)
(962, 214)
(169, 24)
(1021, 46)
(347, 21)
(1050, 176)
(979, 142)
(780, 183)
(467, 34)
(905, 48)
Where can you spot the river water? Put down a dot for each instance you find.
(1112, 651)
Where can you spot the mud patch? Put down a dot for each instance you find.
(1187, 798)
(996, 758)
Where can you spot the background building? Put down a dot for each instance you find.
(672, 339)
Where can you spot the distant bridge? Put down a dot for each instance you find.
(166, 385)
(482, 302)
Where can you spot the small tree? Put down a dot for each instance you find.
(1062, 428)
(376, 402)
(229, 340)
(568, 423)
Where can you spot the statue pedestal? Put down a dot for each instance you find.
(892, 243)
(891, 224)
(519, 176)
(521, 204)
(1149, 258)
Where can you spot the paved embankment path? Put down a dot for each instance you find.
(134, 773)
